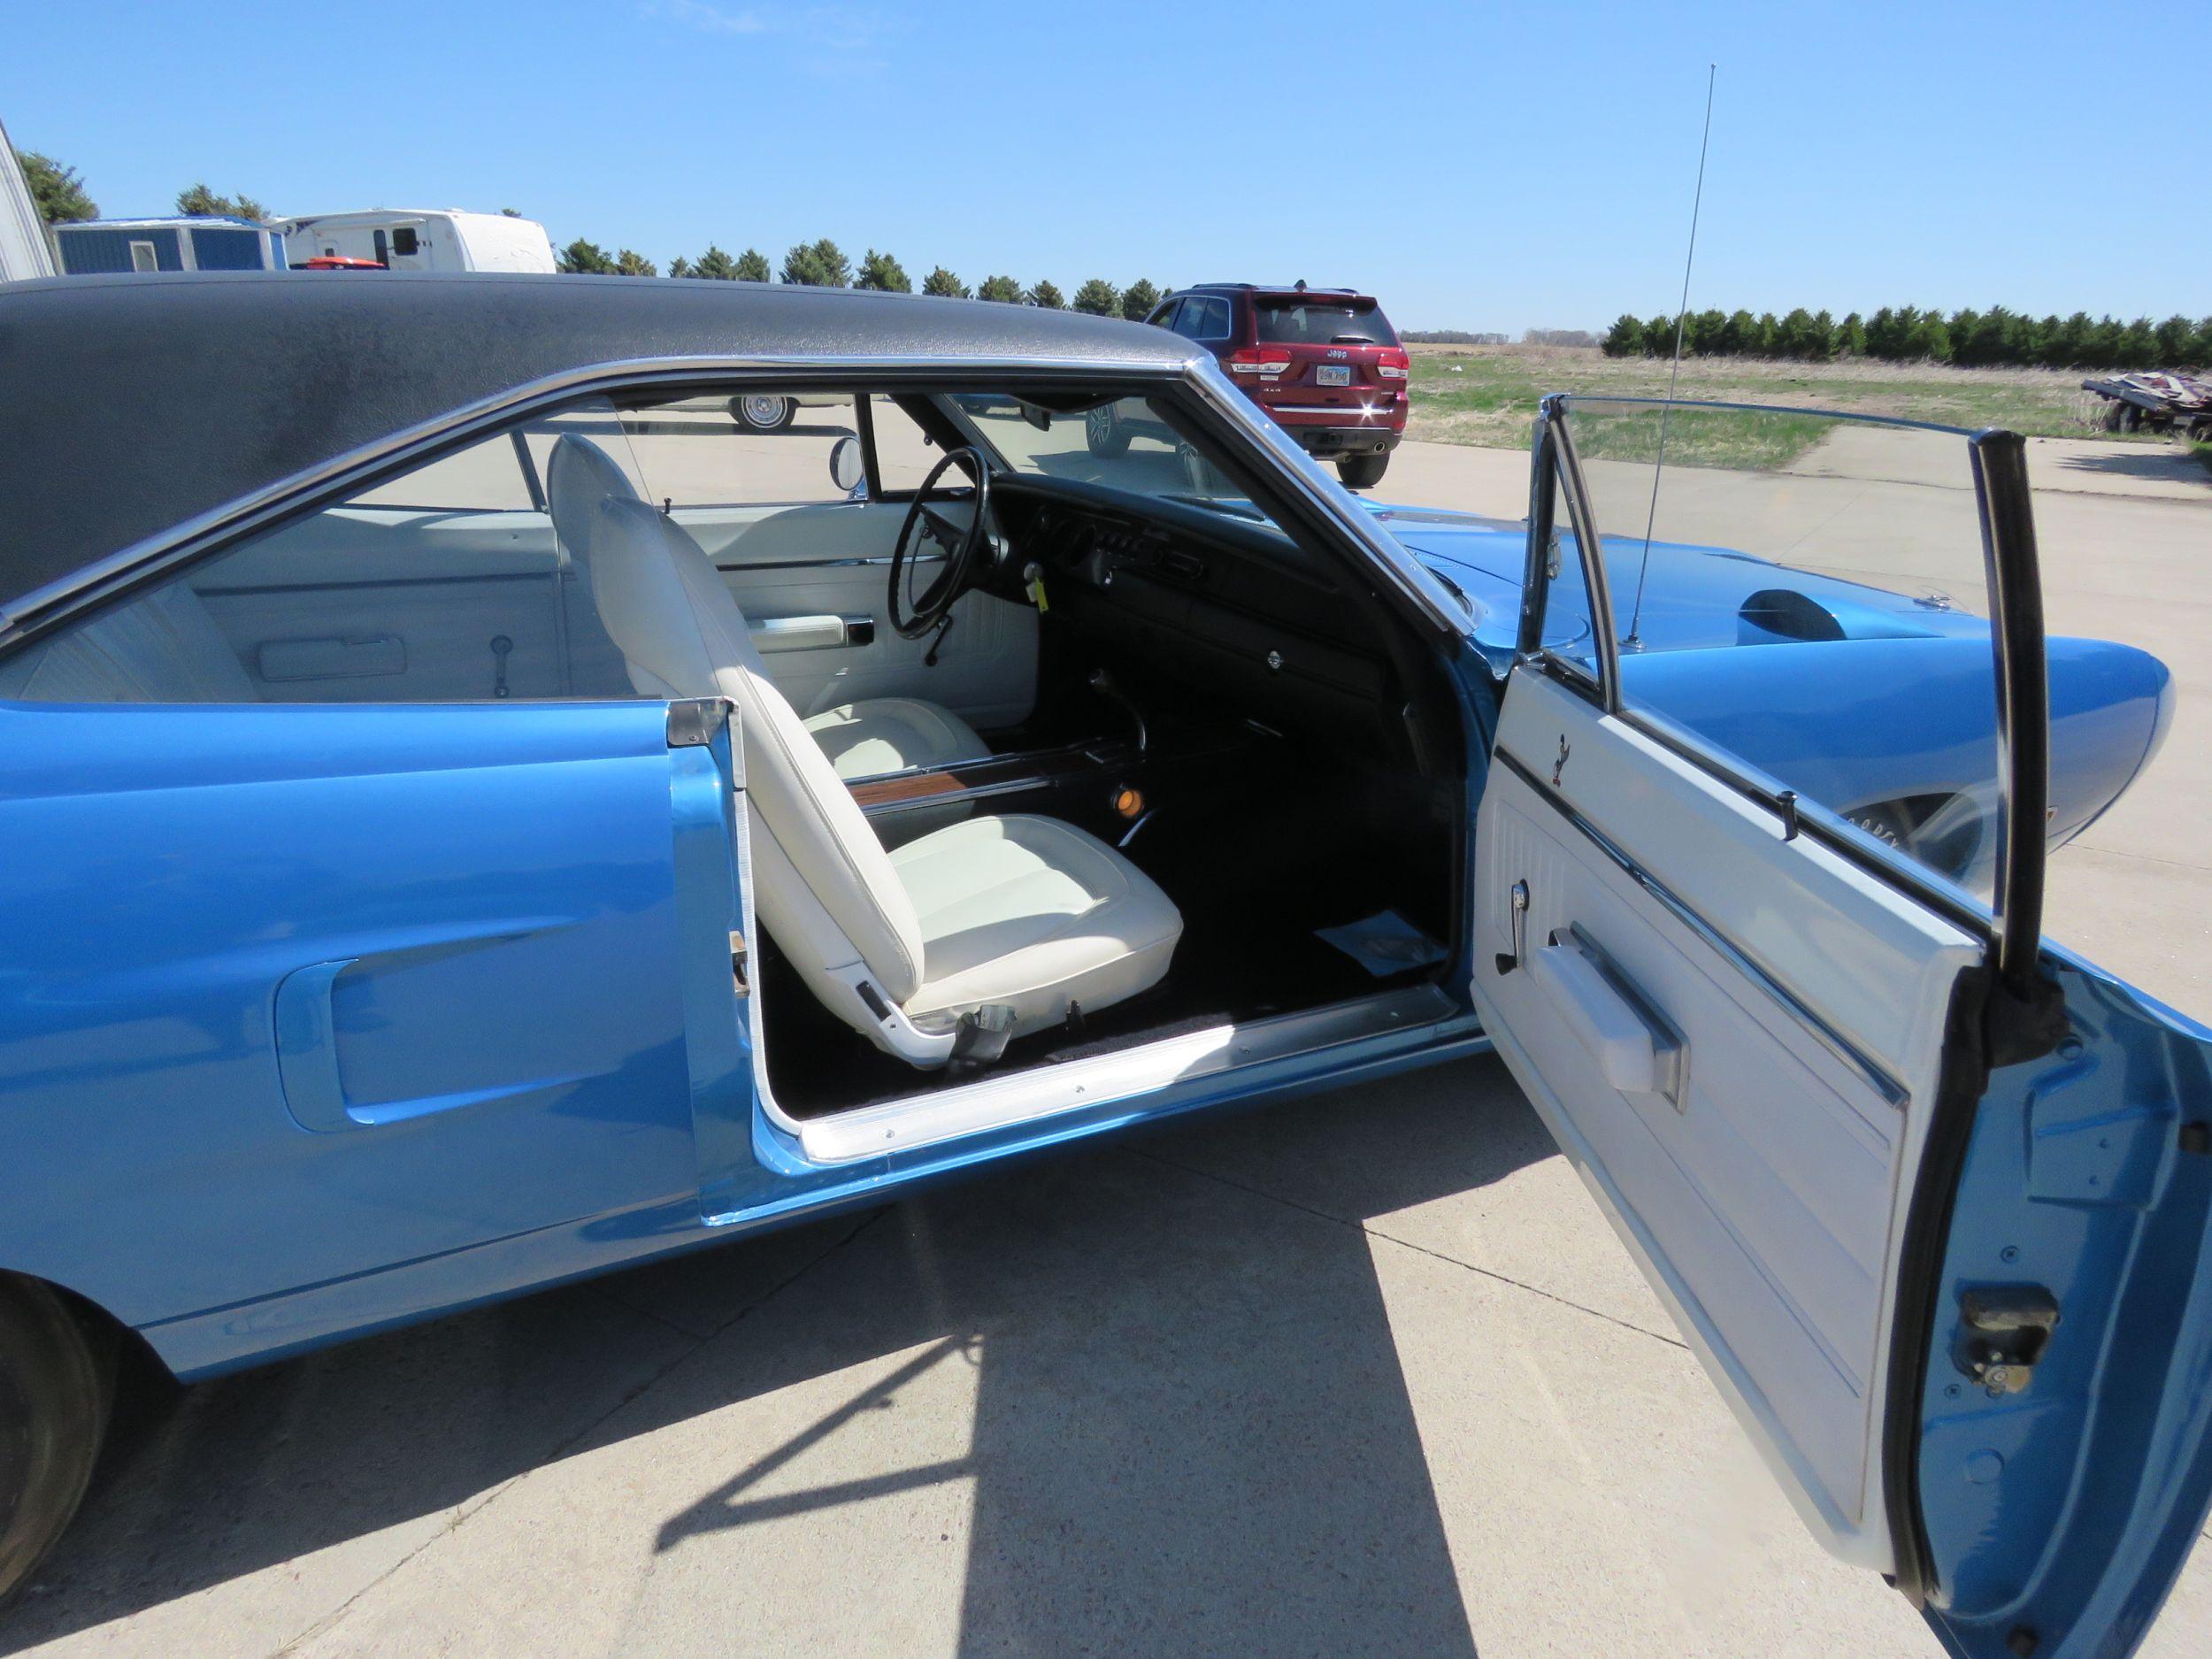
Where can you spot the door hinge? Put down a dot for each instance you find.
(2002, 1333)
(741, 965)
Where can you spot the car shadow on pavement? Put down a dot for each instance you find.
(1156, 1381)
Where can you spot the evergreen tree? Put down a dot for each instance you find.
(56, 192)
(752, 267)
(629, 262)
(1046, 294)
(943, 284)
(1098, 297)
(1851, 336)
(1929, 339)
(1139, 300)
(882, 273)
(817, 265)
(1002, 288)
(1625, 338)
(680, 266)
(201, 202)
(716, 265)
(584, 258)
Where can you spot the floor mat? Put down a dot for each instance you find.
(1384, 943)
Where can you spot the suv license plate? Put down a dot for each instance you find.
(1337, 374)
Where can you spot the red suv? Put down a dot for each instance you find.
(1324, 362)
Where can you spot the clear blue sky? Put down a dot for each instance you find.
(1479, 166)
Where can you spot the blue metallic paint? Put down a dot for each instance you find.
(1902, 705)
(2068, 1510)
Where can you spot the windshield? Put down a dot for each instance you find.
(1126, 445)
(1286, 321)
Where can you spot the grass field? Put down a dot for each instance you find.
(1486, 396)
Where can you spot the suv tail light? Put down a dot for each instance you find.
(1263, 361)
(1393, 364)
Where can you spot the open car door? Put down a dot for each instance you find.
(1759, 876)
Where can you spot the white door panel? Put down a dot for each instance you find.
(379, 604)
(830, 560)
(1806, 1002)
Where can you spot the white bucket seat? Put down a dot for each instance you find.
(860, 739)
(1016, 913)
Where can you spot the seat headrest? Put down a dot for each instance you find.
(578, 477)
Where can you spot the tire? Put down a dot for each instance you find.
(1104, 433)
(57, 1382)
(763, 411)
(1362, 472)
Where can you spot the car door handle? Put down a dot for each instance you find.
(307, 1059)
(1639, 1051)
(773, 634)
(307, 1047)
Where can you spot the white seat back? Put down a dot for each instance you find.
(578, 475)
(822, 884)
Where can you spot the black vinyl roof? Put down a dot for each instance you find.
(131, 403)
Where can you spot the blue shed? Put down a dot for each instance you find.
(92, 246)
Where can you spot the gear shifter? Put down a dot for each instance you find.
(1102, 683)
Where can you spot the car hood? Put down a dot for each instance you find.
(1693, 597)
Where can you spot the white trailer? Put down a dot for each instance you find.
(427, 239)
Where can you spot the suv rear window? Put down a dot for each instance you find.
(1304, 321)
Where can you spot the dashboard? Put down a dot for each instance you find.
(1202, 599)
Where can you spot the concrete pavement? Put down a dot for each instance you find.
(1365, 1373)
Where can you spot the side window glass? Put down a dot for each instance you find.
(1165, 318)
(449, 583)
(1188, 319)
(904, 452)
(1213, 322)
(725, 453)
(1566, 633)
(1806, 594)
(405, 240)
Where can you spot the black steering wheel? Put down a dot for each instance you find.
(961, 543)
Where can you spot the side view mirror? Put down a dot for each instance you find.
(846, 471)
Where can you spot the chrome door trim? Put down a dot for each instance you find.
(1870, 1070)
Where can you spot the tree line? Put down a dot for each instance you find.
(1969, 339)
(823, 265)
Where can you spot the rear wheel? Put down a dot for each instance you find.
(1361, 472)
(56, 1383)
(762, 412)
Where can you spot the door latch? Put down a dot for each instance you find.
(2002, 1333)
(741, 965)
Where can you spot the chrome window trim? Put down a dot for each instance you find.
(1870, 1070)
(1266, 443)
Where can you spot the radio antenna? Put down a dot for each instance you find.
(1674, 372)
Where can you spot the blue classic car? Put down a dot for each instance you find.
(475, 819)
